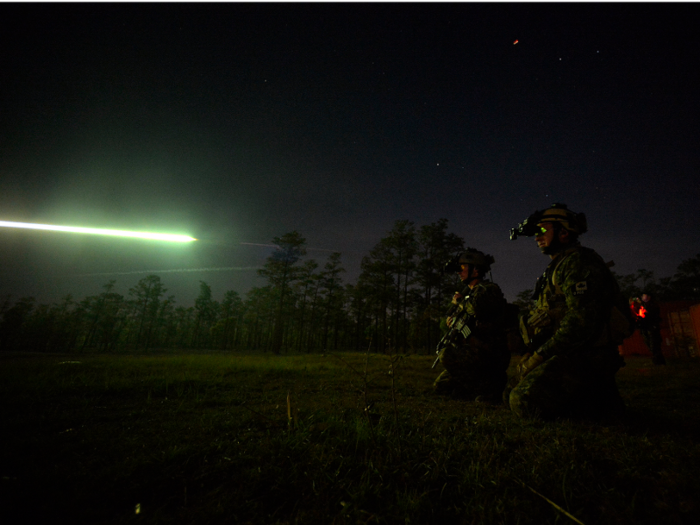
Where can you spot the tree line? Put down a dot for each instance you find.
(397, 303)
(304, 306)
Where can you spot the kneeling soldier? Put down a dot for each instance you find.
(576, 326)
(476, 357)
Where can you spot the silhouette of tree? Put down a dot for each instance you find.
(306, 288)
(13, 324)
(280, 272)
(686, 281)
(226, 329)
(331, 284)
(146, 302)
(205, 315)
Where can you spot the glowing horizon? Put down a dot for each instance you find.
(99, 231)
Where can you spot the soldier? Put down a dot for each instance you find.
(475, 367)
(576, 326)
(649, 323)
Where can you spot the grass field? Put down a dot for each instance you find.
(229, 438)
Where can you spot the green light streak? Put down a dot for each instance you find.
(99, 231)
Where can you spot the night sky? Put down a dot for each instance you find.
(236, 123)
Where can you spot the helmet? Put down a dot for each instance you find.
(558, 213)
(473, 257)
(476, 258)
(572, 221)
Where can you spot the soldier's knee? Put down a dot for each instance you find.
(442, 383)
(519, 404)
(526, 406)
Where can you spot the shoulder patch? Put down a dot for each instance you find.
(581, 288)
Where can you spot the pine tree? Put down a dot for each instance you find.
(280, 272)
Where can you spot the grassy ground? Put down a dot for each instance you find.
(288, 439)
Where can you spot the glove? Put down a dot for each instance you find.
(528, 363)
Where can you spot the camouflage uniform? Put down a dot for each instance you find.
(571, 329)
(477, 366)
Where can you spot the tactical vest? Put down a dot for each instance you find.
(550, 307)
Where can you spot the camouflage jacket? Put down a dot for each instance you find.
(574, 297)
(486, 305)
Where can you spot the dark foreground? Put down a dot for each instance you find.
(288, 439)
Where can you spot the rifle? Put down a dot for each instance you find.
(460, 326)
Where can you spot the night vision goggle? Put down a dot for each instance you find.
(556, 213)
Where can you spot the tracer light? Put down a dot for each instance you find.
(100, 231)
